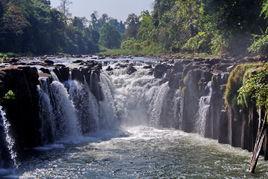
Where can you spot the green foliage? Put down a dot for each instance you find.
(260, 44)
(132, 26)
(110, 37)
(32, 26)
(10, 95)
(260, 41)
(235, 81)
(139, 47)
(211, 26)
(254, 91)
(197, 43)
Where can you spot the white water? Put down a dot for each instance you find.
(156, 105)
(86, 105)
(108, 113)
(139, 97)
(48, 129)
(204, 105)
(146, 153)
(8, 136)
(65, 113)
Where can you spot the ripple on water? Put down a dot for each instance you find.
(146, 153)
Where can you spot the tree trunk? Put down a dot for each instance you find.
(262, 127)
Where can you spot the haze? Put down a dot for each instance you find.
(115, 8)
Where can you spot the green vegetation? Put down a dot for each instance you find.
(34, 27)
(10, 95)
(209, 27)
(254, 91)
(236, 81)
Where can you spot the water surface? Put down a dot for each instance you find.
(145, 153)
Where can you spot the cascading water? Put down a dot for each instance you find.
(157, 104)
(48, 129)
(132, 95)
(139, 98)
(67, 124)
(108, 114)
(204, 105)
(8, 138)
(85, 104)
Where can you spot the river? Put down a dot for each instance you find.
(145, 153)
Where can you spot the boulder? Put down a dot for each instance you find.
(160, 70)
(131, 69)
(62, 73)
(49, 62)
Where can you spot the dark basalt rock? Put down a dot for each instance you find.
(78, 61)
(49, 62)
(122, 65)
(45, 70)
(191, 93)
(76, 74)
(131, 69)
(13, 60)
(23, 110)
(109, 68)
(160, 70)
(62, 73)
(147, 67)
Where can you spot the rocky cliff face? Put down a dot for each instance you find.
(202, 85)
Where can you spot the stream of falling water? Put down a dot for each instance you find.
(12, 154)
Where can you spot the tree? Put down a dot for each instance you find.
(14, 23)
(146, 26)
(65, 7)
(132, 26)
(110, 37)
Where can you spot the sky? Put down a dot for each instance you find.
(118, 9)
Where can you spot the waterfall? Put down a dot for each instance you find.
(108, 113)
(48, 128)
(178, 109)
(204, 105)
(8, 137)
(86, 105)
(142, 99)
(68, 128)
(156, 106)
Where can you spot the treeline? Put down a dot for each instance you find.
(232, 27)
(34, 27)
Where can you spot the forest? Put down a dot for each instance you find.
(34, 27)
(233, 27)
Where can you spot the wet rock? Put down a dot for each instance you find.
(13, 60)
(122, 65)
(76, 74)
(49, 62)
(45, 70)
(131, 69)
(160, 70)
(109, 68)
(62, 73)
(22, 110)
(78, 61)
(147, 67)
